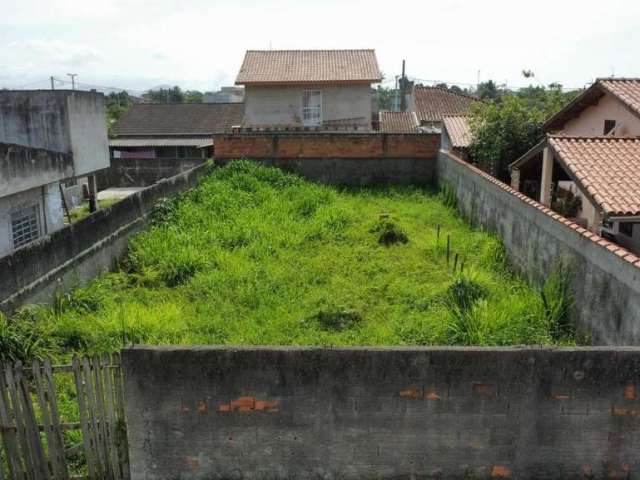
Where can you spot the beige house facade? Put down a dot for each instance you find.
(317, 89)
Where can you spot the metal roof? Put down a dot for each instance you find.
(199, 142)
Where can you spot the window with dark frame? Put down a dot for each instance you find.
(609, 125)
(626, 228)
(25, 225)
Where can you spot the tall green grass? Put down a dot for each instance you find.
(254, 255)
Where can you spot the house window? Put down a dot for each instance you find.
(626, 228)
(609, 125)
(312, 107)
(25, 225)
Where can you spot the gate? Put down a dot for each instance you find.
(63, 422)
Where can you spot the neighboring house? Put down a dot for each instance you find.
(610, 106)
(324, 89)
(592, 150)
(47, 138)
(398, 122)
(431, 104)
(225, 95)
(153, 141)
(456, 136)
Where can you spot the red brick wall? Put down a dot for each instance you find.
(273, 145)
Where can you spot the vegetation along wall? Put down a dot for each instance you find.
(605, 278)
(80, 251)
(260, 413)
(339, 158)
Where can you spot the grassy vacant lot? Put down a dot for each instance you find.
(257, 256)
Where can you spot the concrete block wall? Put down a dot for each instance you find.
(606, 277)
(342, 159)
(79, 252)
(257, 413)
(142, 172)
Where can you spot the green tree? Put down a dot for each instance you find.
(166, 95)
(506, 127)
(489, 90)
(385, 98)
(193, 96)
(116, 104)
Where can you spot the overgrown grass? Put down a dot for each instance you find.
(82, 211)
(257, 256)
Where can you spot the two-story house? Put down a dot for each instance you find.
(323, 89)
(46, 137)
(591, 149)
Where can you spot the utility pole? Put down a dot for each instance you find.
(73, 80)
(52, 85)
(403, 82)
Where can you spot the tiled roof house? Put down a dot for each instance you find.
(431, 104)
(398, 122)
(312, 89)
(456, 135)
(592, 149)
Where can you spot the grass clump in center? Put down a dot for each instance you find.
(389, 232)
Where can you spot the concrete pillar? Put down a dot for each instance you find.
(515, 179)
(547, 176)
(93, 193)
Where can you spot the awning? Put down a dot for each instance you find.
(198, 142)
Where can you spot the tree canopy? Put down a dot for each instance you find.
(508, 123)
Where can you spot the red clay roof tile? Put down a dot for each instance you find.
(398, 122)
(433, 103)
(281, 67)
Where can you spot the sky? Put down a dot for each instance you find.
(138, 44)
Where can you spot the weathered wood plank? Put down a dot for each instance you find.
(84, 417)
(9, 432)
(56, 426)
(119, 407)
(103, 430)
(25, 450)
(89, 390)
(41, 466)
(111, 416)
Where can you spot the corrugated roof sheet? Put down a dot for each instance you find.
(433, 103)
(626, 90)
(179, 119)
(308, 66)
(607, 167)
(398, 122)
(458, 129)
(161, 142)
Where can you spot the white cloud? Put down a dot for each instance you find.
(200, 44)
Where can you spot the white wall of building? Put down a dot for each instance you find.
(282, 106)
(591, 121)
(49, 209)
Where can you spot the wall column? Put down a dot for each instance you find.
(547, 176)
(93, 193)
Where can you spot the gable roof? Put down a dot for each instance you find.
(607, 168)
(179, 119)
(398, 122)
(458, 129)
(625, 90)
(433, 103)
(284, 67)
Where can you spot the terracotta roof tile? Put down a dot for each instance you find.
(458, 129)
(626, 90)
(272, 67)
(179, 119)
(432, 103)
(607, 167)
(398, 122)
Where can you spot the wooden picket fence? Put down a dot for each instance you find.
(35, 439)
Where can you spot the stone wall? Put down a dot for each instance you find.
(257, 413)
(339, 158)
(606, 277)
(77, 253)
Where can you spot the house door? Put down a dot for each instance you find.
(312, 107)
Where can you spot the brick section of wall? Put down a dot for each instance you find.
(324, 145)
(260, 413)
(243, 146)
(81, 251)
(606, 277)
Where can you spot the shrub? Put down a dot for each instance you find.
(163, 211)
(389, 232)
